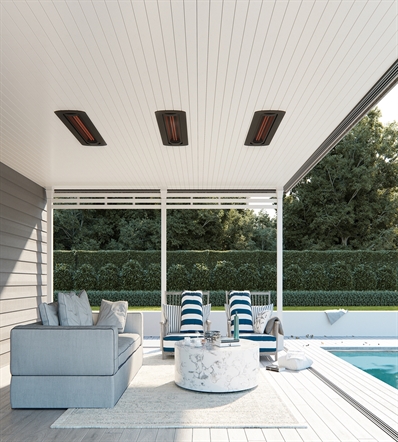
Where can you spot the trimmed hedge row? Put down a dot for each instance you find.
(209, 258)
(132, 275)
(290, 298)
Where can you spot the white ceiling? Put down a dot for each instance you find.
(219, 61)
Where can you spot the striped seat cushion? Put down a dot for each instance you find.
(266, 343)
(240, 304)
(169, 341)
(191, 312)
(172, 314)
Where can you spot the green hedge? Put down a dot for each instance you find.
(151, 298)
(211, 270)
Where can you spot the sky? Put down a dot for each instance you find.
(389, 106)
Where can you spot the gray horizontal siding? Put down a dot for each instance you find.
(23, 257)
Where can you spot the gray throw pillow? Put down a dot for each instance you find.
(74, 309)
(113, 313)
(49, 313)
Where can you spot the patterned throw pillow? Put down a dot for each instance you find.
(173, 315)
(261, 321)
(191, 312)
(240, 304)
(258, 309)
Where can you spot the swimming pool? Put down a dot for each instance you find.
(382, 365)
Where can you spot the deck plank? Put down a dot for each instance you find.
(183, 435)
(273, 435)
(290, 435)
(237, 435)
(219, 435)
(147, 435)
(254, 435)
(200, 434)
(130, 435)
(165, 435)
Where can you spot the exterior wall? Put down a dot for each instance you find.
(354, 323)
(23, 256)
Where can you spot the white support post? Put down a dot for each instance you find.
(279, 253)
(50, 245)
(163, 246)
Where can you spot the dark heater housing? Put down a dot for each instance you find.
(82, 127)
(263, 127)
(173, 127)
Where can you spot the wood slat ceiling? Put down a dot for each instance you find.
(220, 61)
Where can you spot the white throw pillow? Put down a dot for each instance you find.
(261, 321)
(74, 309)
(257, 309)
(295, 360)
(113, 313)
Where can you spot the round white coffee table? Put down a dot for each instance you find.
(213, 369)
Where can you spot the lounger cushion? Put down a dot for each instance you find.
(266, 343)
(191, 312)
(240, 304)
(170, 340)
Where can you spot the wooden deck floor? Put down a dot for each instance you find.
(328, 416)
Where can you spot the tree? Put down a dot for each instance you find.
(349, 200)
(264, 235)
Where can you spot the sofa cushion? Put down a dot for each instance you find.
(113, 313)
(49, 313)
(240, 304)
(128, 343)
(191, 312)
(74, 310)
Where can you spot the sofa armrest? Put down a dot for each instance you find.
(38, 350)
(135, 323)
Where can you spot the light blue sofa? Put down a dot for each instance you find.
(74, 367)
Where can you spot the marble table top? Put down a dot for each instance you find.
(209, 368)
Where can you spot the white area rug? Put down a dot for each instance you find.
(154, 401)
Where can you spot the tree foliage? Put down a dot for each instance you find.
(350, 199)
(186, 230)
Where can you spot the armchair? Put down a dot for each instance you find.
(254, 310)
(185, 314)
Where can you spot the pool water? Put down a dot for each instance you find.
(382, 365)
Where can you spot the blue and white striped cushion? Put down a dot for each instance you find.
(173, 315)
(240, 303)
(191, 312)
